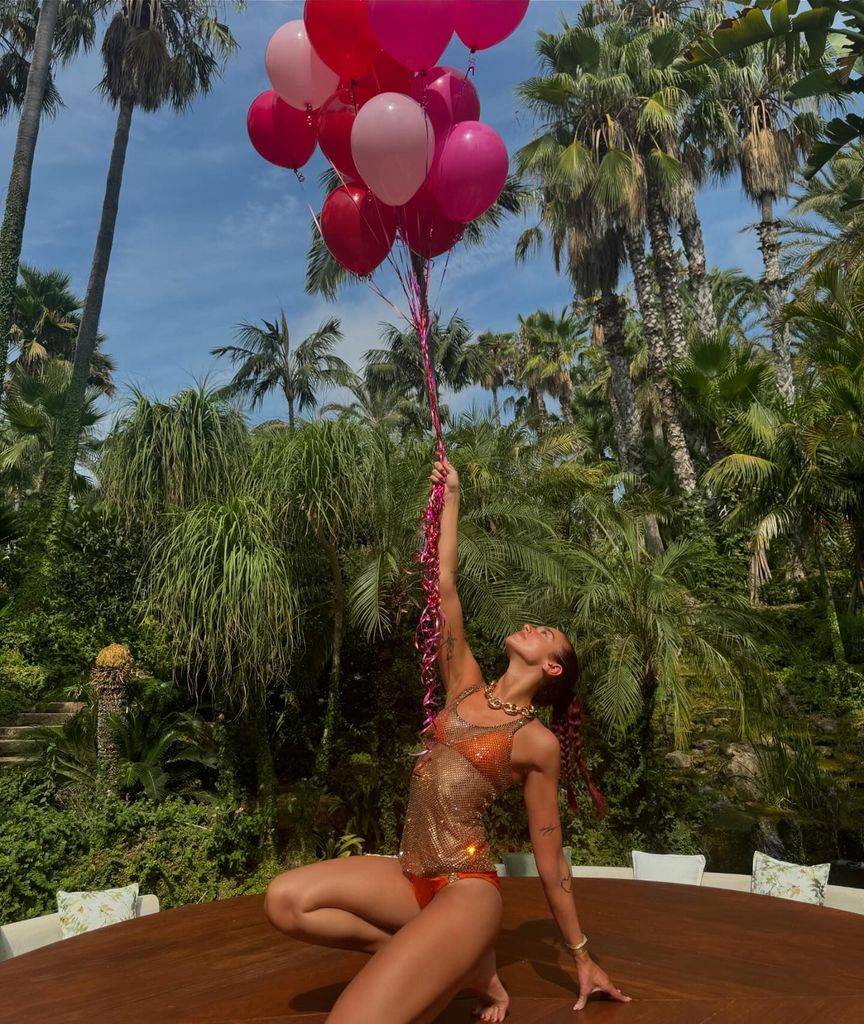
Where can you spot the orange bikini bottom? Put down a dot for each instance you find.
(425, 887)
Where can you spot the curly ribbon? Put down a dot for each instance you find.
(431, 623)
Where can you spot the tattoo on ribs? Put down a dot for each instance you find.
(451, 645)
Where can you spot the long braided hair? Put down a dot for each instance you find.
(559, 693)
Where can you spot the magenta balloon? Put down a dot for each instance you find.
(448, 98)
(393, 145)
(295, 70)
(471, 171)
(483, 23)
(415, 32)
(281, 134)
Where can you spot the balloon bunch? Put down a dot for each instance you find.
(360, 79)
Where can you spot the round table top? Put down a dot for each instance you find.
(685, 954)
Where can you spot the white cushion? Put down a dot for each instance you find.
(23, 936)
(686, 869)
(804, 883)
(86, 911)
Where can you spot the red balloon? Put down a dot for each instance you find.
(386, 75)
(340, 34)
(283, 135)
(427, 230)
(357, 229)
(484, 23)
(335, 121)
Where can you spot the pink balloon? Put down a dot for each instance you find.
(281, 134)
(392, 144)
(471, 171)
(415, 32)
(448, 97)
(295, 70)
(483, 23)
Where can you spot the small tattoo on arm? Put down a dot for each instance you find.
(547, 829)
(567, 883)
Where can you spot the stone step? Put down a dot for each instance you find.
(42, 718)
(18, 746)
(17, 732)
(71, 707)
(11, 762)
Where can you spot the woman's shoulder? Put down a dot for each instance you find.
(535, 746)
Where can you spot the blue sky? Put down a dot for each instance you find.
(209, 235)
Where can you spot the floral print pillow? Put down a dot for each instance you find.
(85, 911)
(804, 883)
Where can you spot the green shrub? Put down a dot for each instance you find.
(22, 685)
(183, 852)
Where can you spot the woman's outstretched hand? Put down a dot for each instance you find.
(444, 473)
(592, 978)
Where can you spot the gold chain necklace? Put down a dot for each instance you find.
(510, 709)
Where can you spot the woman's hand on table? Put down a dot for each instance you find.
(592, 978)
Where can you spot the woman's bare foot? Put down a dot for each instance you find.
(492, 1005)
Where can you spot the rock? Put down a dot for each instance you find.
(823, 724)
(708, 746)
(743, 770)
(678, 759)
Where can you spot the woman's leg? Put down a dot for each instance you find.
(426, 962)
(349, 902)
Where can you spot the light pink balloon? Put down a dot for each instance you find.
(471, 171)
(415, 32)
(392, 143)
(295, 70)
(483, 23)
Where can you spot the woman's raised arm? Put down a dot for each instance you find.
(459, 669)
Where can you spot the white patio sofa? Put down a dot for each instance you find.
(23, 936)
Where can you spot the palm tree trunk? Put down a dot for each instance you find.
(18, 194)
(775, 297)
(694, 247)
(682, 464)
(496, 412)
(666, 269)
(265, 777)
(289, 399)
(625, 415)
(837, 647)
(322, 758)
(60, 472)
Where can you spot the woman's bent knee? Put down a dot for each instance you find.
(283, 903)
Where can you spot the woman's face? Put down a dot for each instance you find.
(536, 645)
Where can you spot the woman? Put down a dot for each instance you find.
(408, 910)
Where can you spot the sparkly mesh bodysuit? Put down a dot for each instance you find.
(464, 769)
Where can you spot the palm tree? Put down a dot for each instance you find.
(75, 30)
(45, 324)
(18, 193)
(837, 234)
(222, 585)
(32, 406)
(161, 457)
(598, 157)
(772, 138)
(267, 362)
(154, 52)
(646, 634)
(314, 484)
(495, 357)
(546, 348)
(378, 408)
(399, 362)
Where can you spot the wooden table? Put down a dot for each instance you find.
(687, 955)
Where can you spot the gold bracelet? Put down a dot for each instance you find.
(577, 947)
